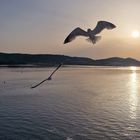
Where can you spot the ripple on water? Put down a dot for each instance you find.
(80, 104)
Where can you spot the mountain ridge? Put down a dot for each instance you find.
(16, 59)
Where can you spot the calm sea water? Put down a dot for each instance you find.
(80, 103)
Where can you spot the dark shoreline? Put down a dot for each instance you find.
(52, 66)
(52, 60)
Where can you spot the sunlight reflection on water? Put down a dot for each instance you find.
(133, 96)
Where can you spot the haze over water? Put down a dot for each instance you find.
(80, 103)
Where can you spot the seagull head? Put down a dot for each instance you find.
(88, 30)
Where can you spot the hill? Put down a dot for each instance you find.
(16, 59)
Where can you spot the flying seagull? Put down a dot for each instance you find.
(49, 78)
(91, 34)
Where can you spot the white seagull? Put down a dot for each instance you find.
(91, 34)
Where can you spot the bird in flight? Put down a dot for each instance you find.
(91, 34)
(49, 78)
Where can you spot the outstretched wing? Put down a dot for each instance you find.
(101, 25)
(76, 32)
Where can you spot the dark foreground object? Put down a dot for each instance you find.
(49, 78)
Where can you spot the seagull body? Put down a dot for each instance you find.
(91, 34)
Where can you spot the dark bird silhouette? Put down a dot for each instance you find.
(49, 78)
(91, 34)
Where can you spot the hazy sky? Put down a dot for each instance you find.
(40, 26)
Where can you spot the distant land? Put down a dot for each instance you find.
(44, 60)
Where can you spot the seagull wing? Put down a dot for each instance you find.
(76, 32)
(101, 25)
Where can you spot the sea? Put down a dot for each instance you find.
(79, 103)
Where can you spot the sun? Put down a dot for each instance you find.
(135, 34)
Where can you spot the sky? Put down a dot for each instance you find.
(40, 27)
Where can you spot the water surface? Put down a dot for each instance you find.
(80, 103)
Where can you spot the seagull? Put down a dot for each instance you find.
(49, 78)
(91, 34)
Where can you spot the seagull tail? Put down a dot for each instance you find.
(94, 40)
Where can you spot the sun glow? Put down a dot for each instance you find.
(135, 34)
(133, 68)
